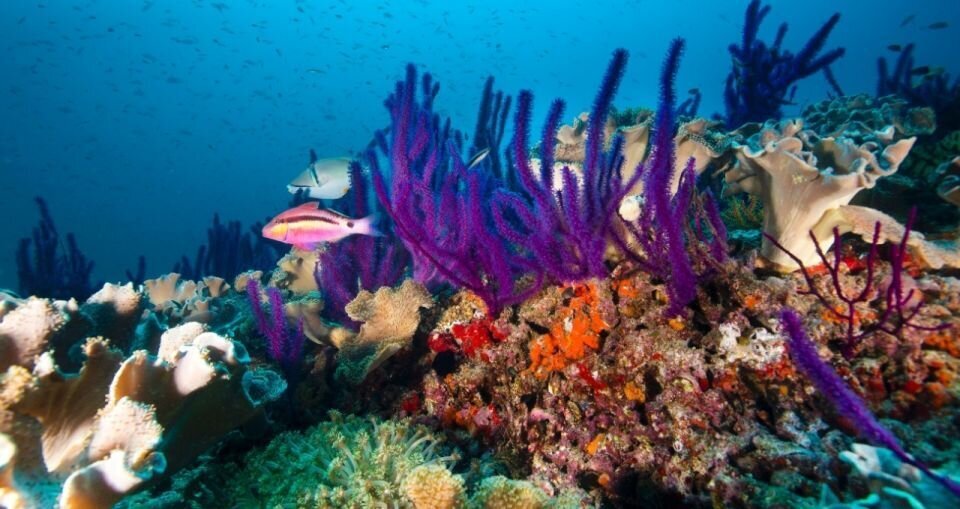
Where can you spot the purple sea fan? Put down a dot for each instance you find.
(437, 204)
(763, 78)
(359, 262)
(803, 351)
(43, 270)
(284, 347)
(566, 232)
(663, 228)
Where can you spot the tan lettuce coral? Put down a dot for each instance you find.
(699, 139)
(295, 271)
(389, 319)
(27, 330)
(118, 424)
(862, 221)
(800, 177)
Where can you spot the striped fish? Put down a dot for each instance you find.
(306, 226)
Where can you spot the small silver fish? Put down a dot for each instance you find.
(478, 158)
(324, 179)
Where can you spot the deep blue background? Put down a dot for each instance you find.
(138, 119)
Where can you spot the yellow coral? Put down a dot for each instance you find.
(433, 487)
(578, 328)
(498, 492)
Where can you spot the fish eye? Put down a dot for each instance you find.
(349, 224)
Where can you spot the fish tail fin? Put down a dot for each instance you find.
(372, 228)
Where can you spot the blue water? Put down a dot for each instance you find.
(136, 119)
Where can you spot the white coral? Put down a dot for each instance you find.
(800, 177)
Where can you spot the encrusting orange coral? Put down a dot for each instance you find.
(577, 329)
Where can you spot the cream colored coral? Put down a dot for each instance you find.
(26, 330)
(389, 319)
(216, 286)
(116, 425)
(167, 289)
(10, 496)
(433, 487)
(498, 492)
(800, 177)
(862, 221)
(295, 271)
(173, 339)
(240, 282)
(308, 309)
(124, 450)
(123, 298)
(67, 405)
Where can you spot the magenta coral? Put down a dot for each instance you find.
(284, 347)
(897, 313)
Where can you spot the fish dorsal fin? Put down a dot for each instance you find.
(338, 214)
(310, 205)
(313, 156)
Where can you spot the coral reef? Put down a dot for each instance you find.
(921, 87)
(561, 326)
(118, 424)
(389, 318)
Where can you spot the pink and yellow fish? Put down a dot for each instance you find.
(306, 226)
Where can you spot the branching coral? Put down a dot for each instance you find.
(43, 271)
(566, 231)
(662, 229)
(436, 203)
(764, 77)
(488, 134)
(284, 346)
(901, 304)
(229, 251)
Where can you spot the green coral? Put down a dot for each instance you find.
(743, 213)
(346, 462)
(351, 462)
(926, 157)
